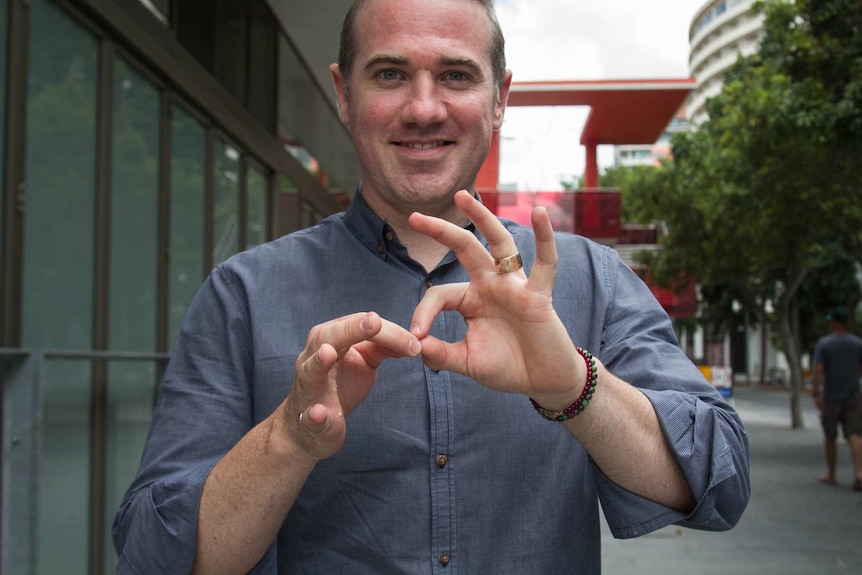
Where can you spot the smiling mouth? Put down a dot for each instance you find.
(424, 146)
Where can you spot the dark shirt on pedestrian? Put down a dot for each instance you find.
(841, 356)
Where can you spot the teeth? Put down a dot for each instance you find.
(423, 146)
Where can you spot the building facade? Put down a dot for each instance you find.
(144, 141)
(719, 32)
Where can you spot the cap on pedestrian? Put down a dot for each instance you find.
(838, 314)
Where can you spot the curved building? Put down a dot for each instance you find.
(719, 32)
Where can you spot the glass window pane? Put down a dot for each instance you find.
(3, 58)
(161, 8)
(231, 45)
(262, 70)
(225, 202)
(134, 211)
(256, 208)
(186, 268)
(60, 165)
(131, 396)
(194, 22)
(64, 468)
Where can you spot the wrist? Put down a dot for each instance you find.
(583, 400)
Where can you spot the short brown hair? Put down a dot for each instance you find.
(347, 46)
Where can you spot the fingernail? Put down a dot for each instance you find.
(365, 323)
(415, 328)
(414, 347)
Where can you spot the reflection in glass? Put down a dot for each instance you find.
(60, 168)
(256, 206)
(225, 202)
(60, 160)
(64, 468)
(186, 268)
(134, 211)
(131, 396)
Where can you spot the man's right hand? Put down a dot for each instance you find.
(335, 373)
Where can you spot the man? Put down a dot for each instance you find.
(838, 365)
(356, 397)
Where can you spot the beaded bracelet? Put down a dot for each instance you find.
(583, 400)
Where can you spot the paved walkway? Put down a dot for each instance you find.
(793, 525)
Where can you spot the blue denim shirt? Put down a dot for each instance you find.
(438, 474)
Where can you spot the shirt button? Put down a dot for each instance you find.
(390, 235)
(445, 558)
(380, 248)
(442, 460)
(429, 283)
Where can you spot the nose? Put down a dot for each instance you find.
(425, 105)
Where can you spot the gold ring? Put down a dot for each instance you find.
(509, 264)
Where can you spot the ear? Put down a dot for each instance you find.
(502, 101)
(341, 94)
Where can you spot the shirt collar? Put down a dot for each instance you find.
(373, 231)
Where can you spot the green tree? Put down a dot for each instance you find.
(763, 190)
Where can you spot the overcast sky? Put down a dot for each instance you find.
(580, 40)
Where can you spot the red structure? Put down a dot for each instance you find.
(621, 112)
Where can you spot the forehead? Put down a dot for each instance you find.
(433, 28)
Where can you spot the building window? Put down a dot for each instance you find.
(60, 170)
(134, 212)
(235, 40)
(186, 230)
(225, 202)
(161, 8)
(64, 468)
(257, 207)
(4, 57)
(131, 392)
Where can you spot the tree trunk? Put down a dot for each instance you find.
(763, 342)
(787, 311)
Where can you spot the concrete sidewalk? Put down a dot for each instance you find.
(793, 525)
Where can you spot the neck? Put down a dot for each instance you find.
(423, 249)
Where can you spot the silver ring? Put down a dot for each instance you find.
(325, 428)
(509, 264)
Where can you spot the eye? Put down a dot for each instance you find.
(457, 77)
(389, 75)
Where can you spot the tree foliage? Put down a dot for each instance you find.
(766, 192)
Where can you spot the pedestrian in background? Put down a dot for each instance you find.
(373, 394)
(838, 366)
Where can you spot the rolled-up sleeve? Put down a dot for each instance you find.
(711, 448)
(703, 432)
(203, 409)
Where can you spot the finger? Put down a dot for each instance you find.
(315, 369)
(500, 241)
(346, 332)
(446, 297)
(391, 341)
(444, 356)
(316, 418)
(544, 270)
(469, 251)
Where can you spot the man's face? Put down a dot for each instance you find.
(422, 102)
